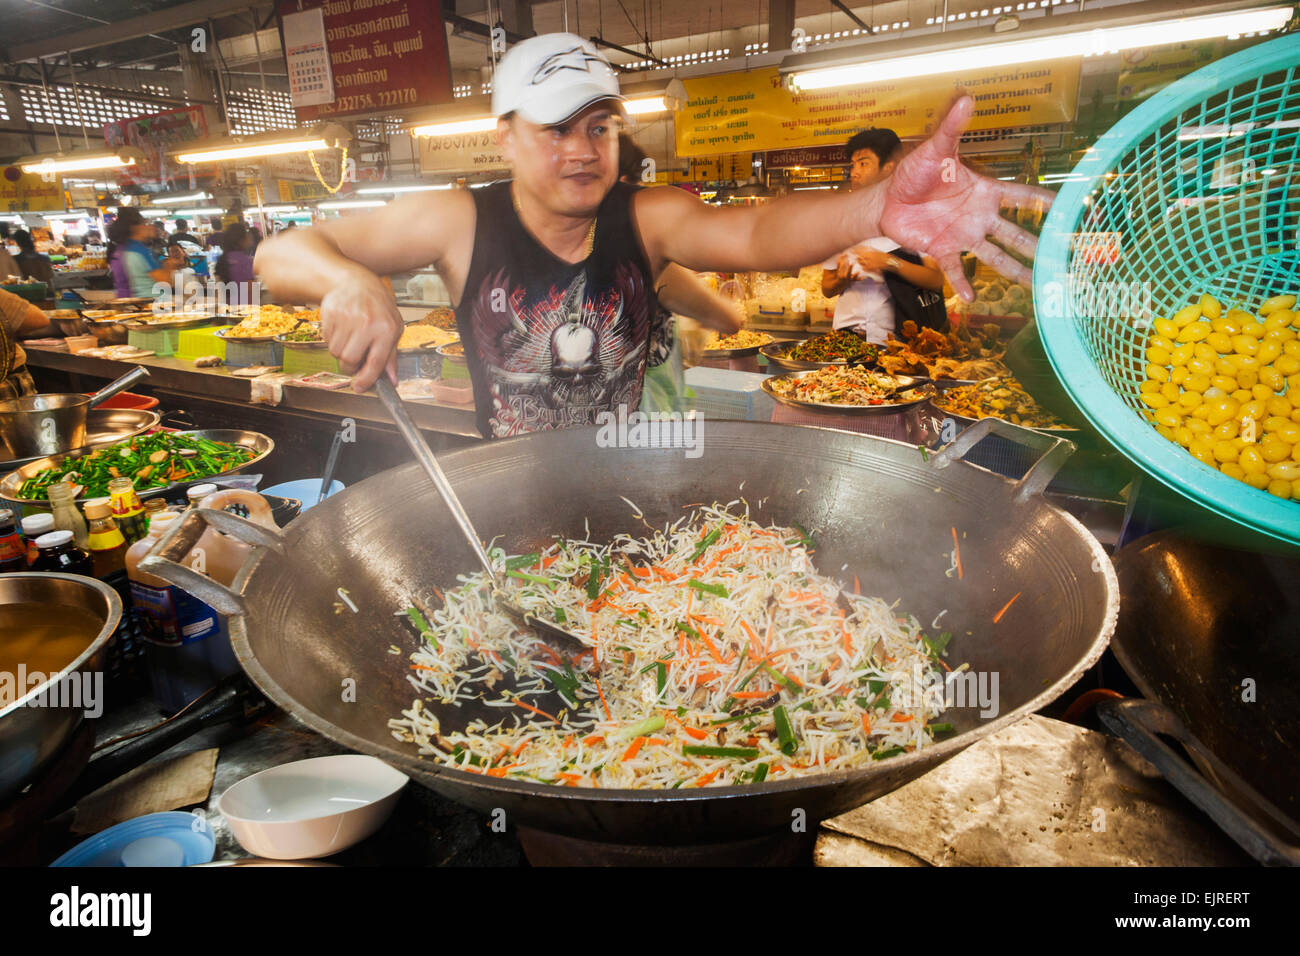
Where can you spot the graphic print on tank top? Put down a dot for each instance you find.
(557, 359)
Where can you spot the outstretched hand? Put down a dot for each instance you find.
(935, 204)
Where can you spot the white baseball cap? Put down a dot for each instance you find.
(550, 78)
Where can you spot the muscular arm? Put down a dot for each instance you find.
(338, 264)
(784, 235)
(928, 275)
(682, 292)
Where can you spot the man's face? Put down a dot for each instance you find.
(571, 166)
(865, 168)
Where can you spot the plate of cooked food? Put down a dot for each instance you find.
(307, 336)
(737, 345)
(836, 348)
(998, 397)
(847, 390)
(418, 337)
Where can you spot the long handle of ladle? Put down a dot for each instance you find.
(393, 402)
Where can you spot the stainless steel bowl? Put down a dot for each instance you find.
(31, 733)
(43, 424)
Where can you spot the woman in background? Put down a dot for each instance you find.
(134, 266)
(31, 263)
(18, 317)
(236, 264)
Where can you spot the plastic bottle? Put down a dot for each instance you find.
(107, 545)
(218, 555)
(66, 516)
(33, 527)
(58, 551)
(127, 510)
(177, 626)
(197, 493)
(13, 552)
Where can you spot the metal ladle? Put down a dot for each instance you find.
(559, 638)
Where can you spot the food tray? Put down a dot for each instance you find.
(260, 443)
(777, 353)
(965, 421)
(241, 354)
(190, 321)
(246, 339)
(104, 426)
(886, 408)
(301, 346)
(453, 366)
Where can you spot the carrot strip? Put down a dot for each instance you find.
(750, 694)
(568, 741)
(592, 740)
(901, 717)
(641, 572)
(857, 587)
(707, 619)
(695, 732)
(997, 617)
(707, 778)
(713, 648)
(956, 550)
(519, 703)
(634, 749)
(656, 741)
(866, 725)
(423, 667)
(707, 678)
(520, 749)
(602, 698)
(501, 771)
(570, 779)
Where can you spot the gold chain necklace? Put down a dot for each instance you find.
(587, 244)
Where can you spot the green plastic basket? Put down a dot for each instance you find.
(196, 343)
(309, 361)
(1195, 191)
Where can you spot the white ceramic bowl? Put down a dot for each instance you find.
(311, 808)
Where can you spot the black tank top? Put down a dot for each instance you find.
(552, 344)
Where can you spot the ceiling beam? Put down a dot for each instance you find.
(196, 12)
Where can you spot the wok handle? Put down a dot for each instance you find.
(164, 559)
(1040, 474)
(118, 385)
(1139, 724)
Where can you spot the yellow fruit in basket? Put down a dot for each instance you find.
(1183, 436)
(1160, 342)
(1286, 470)
(1233, 470)
(1251, 461)
(1189, 400)
(1271, 378)
(1224, 451)
(1210, 306)
(1168, 417)
(1202, 359)
(1245, 344)
(1262, 393)
(1224, 382)
(1158, 355)
(1197, 426)
(1181, 355)
(1257, 480)
(1295, 416)
(1148, 386)
(1277, 302)
(1220, 341)
(1274, 422)
(1226, 431)
(1154, 400)
(1289, 432)
(1279, 487)
(1179, 374)
(1197, 383)
(1242, 395)
(1268, 351)
(1201, 412)
(1229, 323)
(1280, 405)
(1221, 410)
(1291, 348)
(1159, 373)
(1255, 329)
(1252, 409)
(1186, 315)
(1280, 336)
(1287, 364)
(1226, 364)
(1203, 450)
(1278, 320)
(1163, 432)
(1194, 332)
(1293, 381)
(1274, 450)
(1247, 379)
(1165, 328)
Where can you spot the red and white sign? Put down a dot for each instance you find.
(384, 56)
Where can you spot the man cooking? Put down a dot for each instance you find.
(553, 271)
(859, 275)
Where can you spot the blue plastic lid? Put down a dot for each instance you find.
(171, 838)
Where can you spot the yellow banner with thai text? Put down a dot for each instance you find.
(754, 111)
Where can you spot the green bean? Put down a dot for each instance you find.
(785, 732)
(742, 753)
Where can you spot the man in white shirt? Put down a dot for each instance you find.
(857, 275)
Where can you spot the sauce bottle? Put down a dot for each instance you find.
(58, 551)
(107, 544)
(66, 516)
(13, 552)
(127, 511)
(197, 493)
(34, 526)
